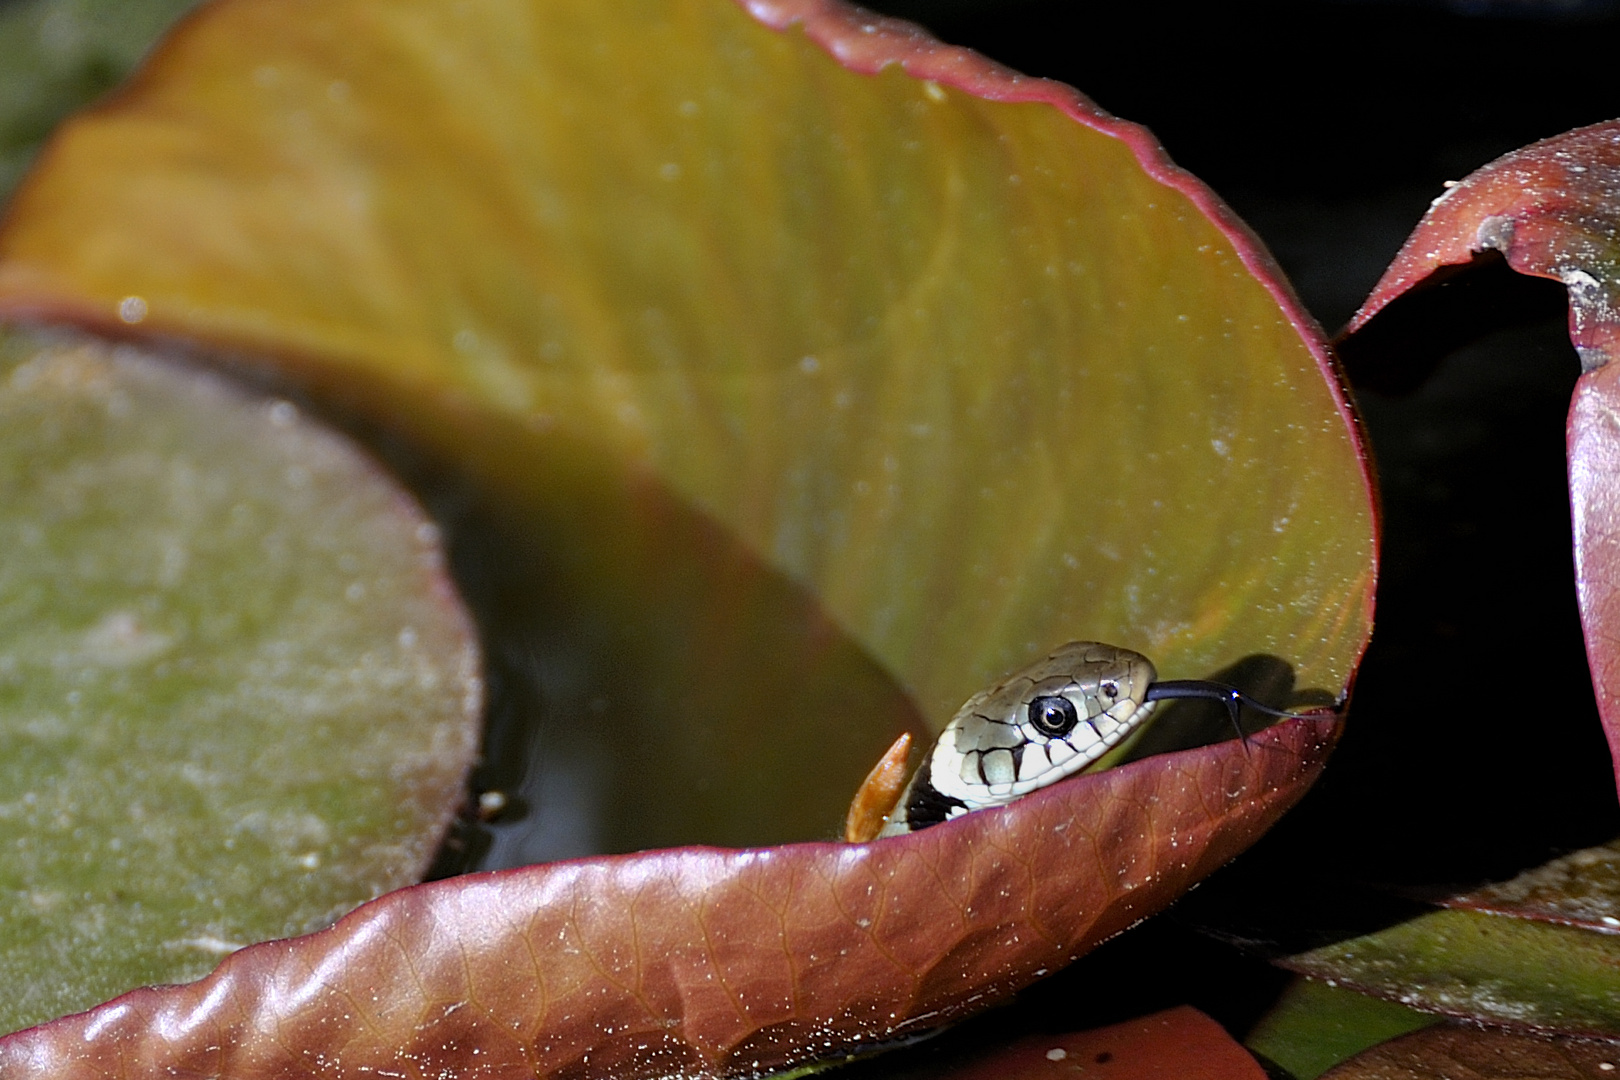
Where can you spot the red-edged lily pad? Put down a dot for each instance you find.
(1456, 1052)
(1521, 973)
(962, 357)
(1551, 210)
(700, 961)
(1579, 889)
(1537, 951)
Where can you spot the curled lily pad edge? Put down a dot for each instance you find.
(866, 43)
(159, 1027)
(847, 34)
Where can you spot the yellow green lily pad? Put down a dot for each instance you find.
(958, 352)
(956, 355)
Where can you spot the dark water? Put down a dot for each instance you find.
(651, 682)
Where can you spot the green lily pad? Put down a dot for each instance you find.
(1493, 968)
(59, 55)
(1579, 889)
(1538, 950)
(237, 694)
(1315, 1025)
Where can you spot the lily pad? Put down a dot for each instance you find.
(1538, 950)
(1579, 889)
(1549, 209)
(956, 350)
(1315, 1026)
(1515, 972)
(1457, 1052)
(1175, 1042)
(237, 693)
(59, 55)
(1535, 951)
(962, 358)
(1552, 210)
(700, 961)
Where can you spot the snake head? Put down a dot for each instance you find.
(1045, 722)
(1056, 717)
(1048, 721)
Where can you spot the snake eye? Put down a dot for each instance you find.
(1053, 716)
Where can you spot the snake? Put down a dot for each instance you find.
(1044, 722)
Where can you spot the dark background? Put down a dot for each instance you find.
(1473, 748)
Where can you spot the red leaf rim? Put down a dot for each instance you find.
(1528, 205)
(704, 961)
(1546, 208)
(867, 43)
(479, 997)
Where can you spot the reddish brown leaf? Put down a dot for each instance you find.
(1551, 209)
(703, 961)
(1594, 502)
(1455, 1052)
(1176, 1044)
